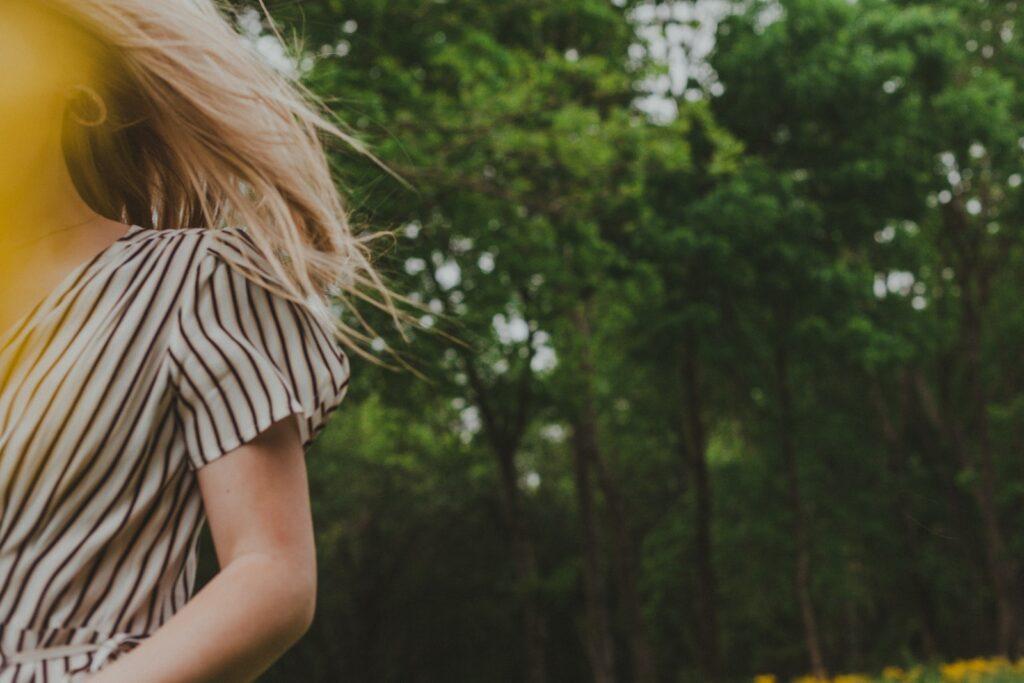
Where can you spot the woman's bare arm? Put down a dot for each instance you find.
(262, 600)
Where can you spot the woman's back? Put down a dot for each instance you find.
(148, 362)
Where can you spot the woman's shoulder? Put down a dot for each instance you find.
(228, 261)
(205, 250)
(234, 235)
(234, 244)
(244, 356)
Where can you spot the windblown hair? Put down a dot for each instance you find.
(202, 132)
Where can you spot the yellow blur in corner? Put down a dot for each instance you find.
(978, 670)
(43, 60)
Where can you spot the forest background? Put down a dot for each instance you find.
(740, 285)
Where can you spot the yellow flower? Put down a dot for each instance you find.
(765, 678)
(914, 674)
(972, 670)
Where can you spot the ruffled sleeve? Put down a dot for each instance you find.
(243, 357)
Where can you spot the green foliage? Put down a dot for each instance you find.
(824, 257)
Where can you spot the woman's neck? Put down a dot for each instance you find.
(46, 200)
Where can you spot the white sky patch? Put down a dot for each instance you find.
(879, 286)
(448, 274)
(678, 35)
(266, 44)
(412, 229)
(544, 360)
(486, 262)
(892, 85)
(544, 357)
(469, 423)
(886, 234)
(274, 54)
(460, 245)
(414, 266)
(900, 282)
(511, 330)
(554, 432)
(250, 21)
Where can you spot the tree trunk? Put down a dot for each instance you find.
(802, 564)
(1003, 567)
(599, 643)
(504, 442)
(975, 272)
(598, 637)
(894, 437)
(694, 446)
(643, 664)
(525, 565)
(853, 636)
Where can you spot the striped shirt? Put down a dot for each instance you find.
(154, 358)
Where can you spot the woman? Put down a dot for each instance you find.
(169, 231)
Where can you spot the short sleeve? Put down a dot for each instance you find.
(243, 357)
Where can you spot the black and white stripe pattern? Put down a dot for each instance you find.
(153, 359)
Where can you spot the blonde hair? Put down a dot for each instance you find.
(202, 132)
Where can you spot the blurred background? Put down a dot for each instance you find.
(741, 284)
